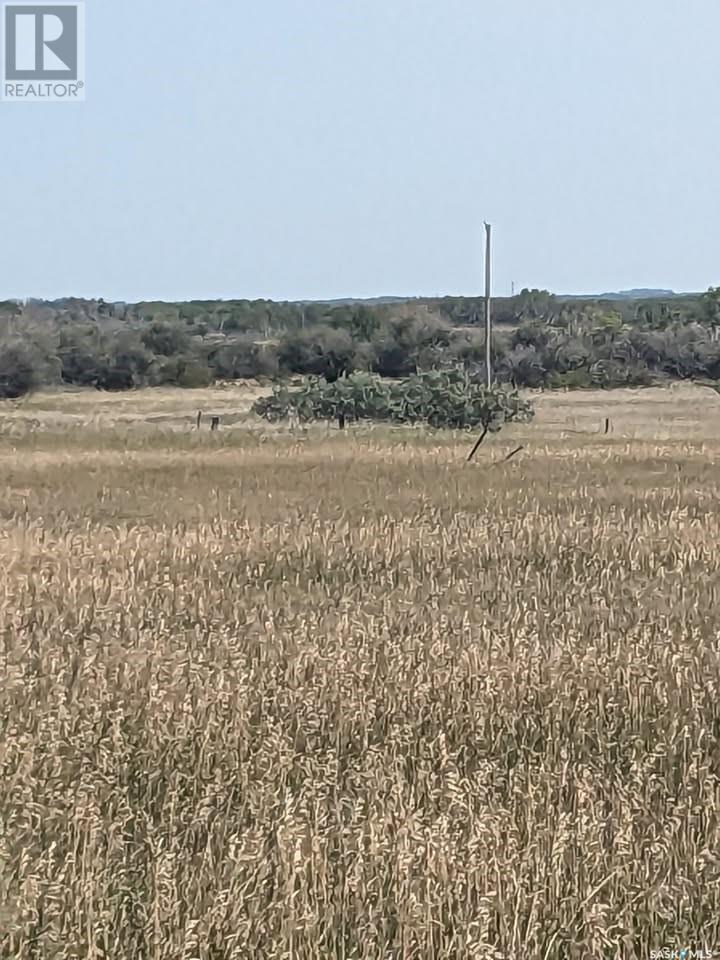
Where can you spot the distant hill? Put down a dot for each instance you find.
(638, 293)
(351, 301)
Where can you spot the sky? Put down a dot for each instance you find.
(318, 149)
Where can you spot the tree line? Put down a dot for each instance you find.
(540, 341)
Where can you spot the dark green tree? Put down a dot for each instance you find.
(166, 339)
(18, 370)
(321, 351)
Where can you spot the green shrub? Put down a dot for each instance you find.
(359, 396)
(451, 398)
(390, 359)
(194, 374)
(166, 339)
(457, 399)
(18, 371)
(616, 373)
(320, 351)
(243, 359)
(81, 355)
(165, 372)
(125, 363)
(571, 380)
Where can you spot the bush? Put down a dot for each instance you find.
(524, 366)
(615, 373)
(18, 371)
(319, 351)
(165, 372)
(468, 347)
(390, 359)
(571, 380)
(117, 361)
(358, 396)
(126, 363)
(166, 339)
(439, 398)
(194, 374)
(244, 359)
(456, 399)
(80, 356)
(409, 344)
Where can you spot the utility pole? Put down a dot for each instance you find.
(488, 309)
(488, 335)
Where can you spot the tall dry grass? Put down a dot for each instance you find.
(355, 698)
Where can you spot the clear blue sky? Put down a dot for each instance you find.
(297, 149)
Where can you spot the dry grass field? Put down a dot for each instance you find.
(325, 695)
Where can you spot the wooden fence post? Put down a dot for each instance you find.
(480, 440)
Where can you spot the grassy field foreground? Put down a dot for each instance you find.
(266, 695)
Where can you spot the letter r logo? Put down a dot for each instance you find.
(41, 42)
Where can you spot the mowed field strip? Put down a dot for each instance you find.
(317, 694)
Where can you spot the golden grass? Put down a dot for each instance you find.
(268, 695)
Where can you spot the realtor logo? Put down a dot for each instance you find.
(43, 52)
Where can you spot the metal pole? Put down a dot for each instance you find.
(488, 314)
